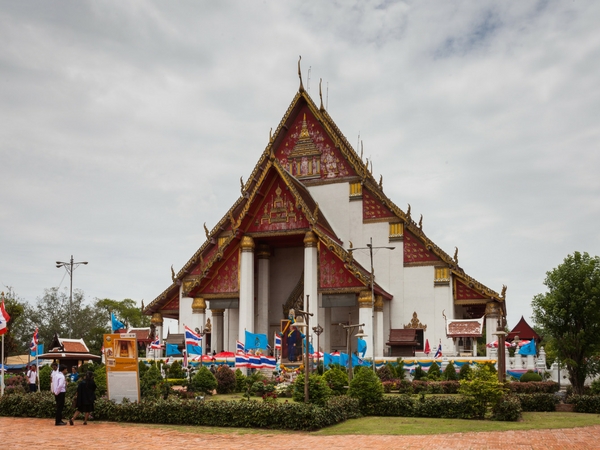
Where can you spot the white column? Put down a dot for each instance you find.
(262, 307)
(311, 281)
(217, 330)
(185, 311)
(246, 311)
(378, 350)
(157, 321)
(326, 336)
(365, 315)
(234, 322)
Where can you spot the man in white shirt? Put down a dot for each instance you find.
(32, 376)
(54, 368)
(59, 388)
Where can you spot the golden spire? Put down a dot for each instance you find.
(321, 94)
(304, 132)
(301, 89)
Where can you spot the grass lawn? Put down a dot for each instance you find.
(413, 425)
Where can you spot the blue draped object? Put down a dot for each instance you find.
(40, 350)
(528, 349)
(255, 341)
(172, 350)
(116, 324)
(362, 347)
(194, 349)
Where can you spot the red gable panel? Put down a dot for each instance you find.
(173, 304)
(415, 251)
(278, 211)
(333, 274)
(326, 162)
(226, 280)
(373, 208)
(464, 292)
(199, 268)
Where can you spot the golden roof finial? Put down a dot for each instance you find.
(381, 182)
(408, 212)
(316, 212)
(206, 231)
(242, 185)
(421, 222)
(172, 273)
(456, 255)
(361, 150)
(301, 89)
(271, 134)
(503, 293)
(321, 94)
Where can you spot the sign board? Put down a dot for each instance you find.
(122, 371)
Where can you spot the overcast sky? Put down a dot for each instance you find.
(127, 125)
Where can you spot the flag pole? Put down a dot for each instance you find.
(2, 388)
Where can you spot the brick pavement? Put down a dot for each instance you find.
(21, 433)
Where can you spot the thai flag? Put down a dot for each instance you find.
(239, 347)
(438, 352)
(156, 345)
(241, 360)
(34, 342)
(277, 342)
(254, 362)
(191, 337)
(268, 362)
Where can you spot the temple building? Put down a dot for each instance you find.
(310, 228)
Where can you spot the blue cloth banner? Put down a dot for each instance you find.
(172, 350)
(40, 350)
(193, 349)
(116, 324)
(362, 347)
(255, 341)
(528, 349)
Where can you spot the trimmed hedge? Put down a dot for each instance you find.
(435, 387)
(538, 402)
(585, 403)
(451, 407)
(175, 411)
(507, 409)
(532, 387)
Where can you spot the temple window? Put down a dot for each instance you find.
(355, 190)
(442, 276)
(396, 231)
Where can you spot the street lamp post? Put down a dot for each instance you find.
(349, 329)
(370, 248)
(304, 323)
(318, 330)
(69, 267)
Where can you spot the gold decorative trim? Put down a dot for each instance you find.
(482, 301)
(223, 295)
(157, 319)
(310, 239)
(199, 305)
(217, 312)
(493, 309)
(247, 244)
(379, 303)
(355, 189)
(415, 323)
(263, 251)
(364, 299)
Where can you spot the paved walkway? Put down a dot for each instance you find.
(21, 433)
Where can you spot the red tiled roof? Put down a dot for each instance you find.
(406, 336)
(75, 347)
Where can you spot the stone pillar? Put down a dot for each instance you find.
(326, 336)
(157, 321)
(378, 350)
(492, 313)
(234, 326)
(217, 329)
(311, 282)
(185, 311)
(365, 315)
(263, 252)
(246, 312)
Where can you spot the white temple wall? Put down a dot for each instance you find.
(420, 297)
(185, 312)
(333, 201)
(444, 303)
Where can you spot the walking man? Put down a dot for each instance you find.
(59, 388)
(32, 377)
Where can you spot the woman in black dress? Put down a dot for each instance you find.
(86, 396)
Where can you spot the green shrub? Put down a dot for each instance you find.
(530, 375)
(405, 387)
(449, 407)
(532, 387)
(450, 373)
(226, 381)
(240, 381)
(386, 373)
(595, 387)
(585, 403)
(538, 402)
(367, 388)
(175, 371)
(419, 373)
(100, 380)
(483, 387)
(337, 380)
(44, 374)
(399, 369)
(400, 406)
(203, 381)
(143, 368)
(465, 372)
(151, 383)
(318, 390)
(507, 409)
(434, 373)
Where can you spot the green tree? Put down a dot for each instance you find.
(570, 313)
(203, 381)
(127, 311)
(337, 380)
(318, 390)
(15, 340)
(450, 372)
(367, 388)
